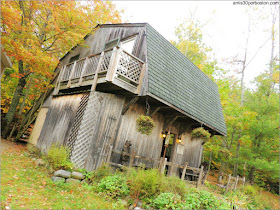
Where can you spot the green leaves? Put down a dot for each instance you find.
(145, 124)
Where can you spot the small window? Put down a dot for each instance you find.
(74, 58)
(128, 44)
(111, 44)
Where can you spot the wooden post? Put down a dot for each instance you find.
(163, 166)
(236, 182)
(131, 159)
(109, 154)
(83, 71)
(184, 171)
(243, 181)
(115, 57)
(71, 75)
(141, 78)
(94, 83)
(228, 182)
(199, 177)
(160, 164)
(59, 77)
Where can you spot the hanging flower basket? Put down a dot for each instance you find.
(145, 124)
(201, 133)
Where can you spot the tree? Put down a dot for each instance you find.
(38, 33)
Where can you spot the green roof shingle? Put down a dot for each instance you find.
(176, 80)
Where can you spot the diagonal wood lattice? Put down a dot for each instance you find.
(77, 122)
(106, 61)
(86, 131)
(129, 67)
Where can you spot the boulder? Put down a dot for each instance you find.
(77, 175)
(62, 173)
(139, 204)
(55, 179)
(75, 181)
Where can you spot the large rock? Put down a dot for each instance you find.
(75, 181)
(55, 179)
(123, 202)
(62, 173)
(77, 175)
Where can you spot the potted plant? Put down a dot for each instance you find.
(201, 133)
(145, 124)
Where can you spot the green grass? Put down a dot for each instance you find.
(26, 186)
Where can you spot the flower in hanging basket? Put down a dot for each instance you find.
(201, 133)
(145, 124)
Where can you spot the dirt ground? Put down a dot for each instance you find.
(6, 144)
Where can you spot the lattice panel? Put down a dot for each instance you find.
(86, 131)
(106, 61)
(129, 67)
(67, 71)
(77, 122)
(92, 65)
(78, 68)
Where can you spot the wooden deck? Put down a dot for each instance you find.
(115, 66)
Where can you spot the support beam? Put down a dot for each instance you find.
(170, 122)
(155, 111)
(131, 102)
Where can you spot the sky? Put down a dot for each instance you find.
(225, 32)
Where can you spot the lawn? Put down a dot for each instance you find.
(27, 186)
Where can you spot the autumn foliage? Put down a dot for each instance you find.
(35, 34)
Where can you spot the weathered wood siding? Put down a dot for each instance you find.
(147, 146)
(95, 42)
(38, 126)
(59, 119)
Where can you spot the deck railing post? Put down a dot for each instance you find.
(83, 71)
(141, 78)
(236, 182)
(71, 74)
(59, 78)
(163, 166)
(228, 183)
(131, 159)
(200, 177)
(94, 83)
(112, 68)
(184, 171)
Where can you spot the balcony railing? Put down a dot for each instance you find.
(116, 64)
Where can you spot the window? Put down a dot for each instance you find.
(111, 44)
(128, 44)
(74, 58)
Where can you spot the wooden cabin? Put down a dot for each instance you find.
(128, 70)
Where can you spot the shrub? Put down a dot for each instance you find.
(145, 124)
(173, 185)
(143, 183)
(102, 172)
(167, 201)
(201, 133)
(114, 186)
(59, 157)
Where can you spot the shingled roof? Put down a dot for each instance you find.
(175, 79)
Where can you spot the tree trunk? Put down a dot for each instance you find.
(251, 175)
(14, 104)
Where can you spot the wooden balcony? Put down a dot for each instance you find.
(118, 68)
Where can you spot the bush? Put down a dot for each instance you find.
(173, 185)
(102, 172)
(143, 183)
(168, 201)
(59, 157)
(114, 186)
(33, 150)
